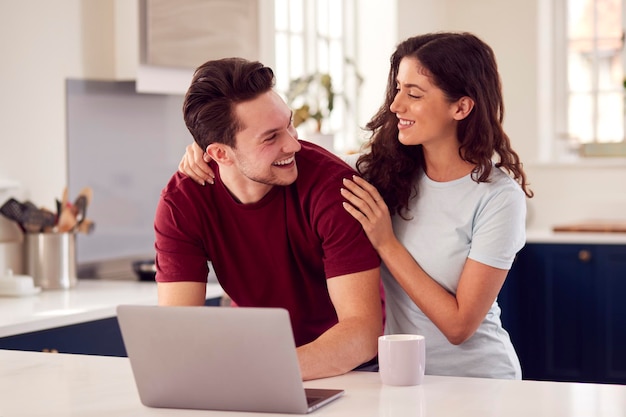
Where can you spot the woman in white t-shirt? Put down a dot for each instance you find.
(439, 208)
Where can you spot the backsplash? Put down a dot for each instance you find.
(125, 145)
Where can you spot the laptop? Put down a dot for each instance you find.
(217, 358)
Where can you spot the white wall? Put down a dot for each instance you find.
(43, 43)
(40, 45)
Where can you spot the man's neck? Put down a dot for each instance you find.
(243, 189)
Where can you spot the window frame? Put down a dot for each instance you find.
(346, 81)
(556, 143)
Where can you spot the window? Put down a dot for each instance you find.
(590, 111)
(317, 37)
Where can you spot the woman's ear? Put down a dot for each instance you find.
(464, 107)
(219, 153)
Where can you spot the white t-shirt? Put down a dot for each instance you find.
(451, 221)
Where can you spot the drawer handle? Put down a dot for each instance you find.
(584, 255)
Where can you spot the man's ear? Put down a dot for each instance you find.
(463, 108)
(219, 153)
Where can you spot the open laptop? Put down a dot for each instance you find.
(217, 358)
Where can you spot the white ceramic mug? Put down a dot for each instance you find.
(402, 359)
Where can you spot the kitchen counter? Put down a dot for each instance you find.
(548, 236)
(58, 385)
(90, 300)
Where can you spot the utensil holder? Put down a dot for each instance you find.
(51, 259)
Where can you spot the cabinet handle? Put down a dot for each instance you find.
(584, 255)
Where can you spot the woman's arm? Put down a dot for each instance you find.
(456, 316)
(195, 164)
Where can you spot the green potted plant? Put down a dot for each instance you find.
(311, 97)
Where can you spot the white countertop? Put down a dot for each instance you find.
(89, 300)
(60, 385)
(548, 236)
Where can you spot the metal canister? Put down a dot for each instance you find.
(51, 259)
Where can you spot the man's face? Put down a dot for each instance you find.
(266, 147)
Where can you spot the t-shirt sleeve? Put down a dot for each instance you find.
(500, 228)
(345, 246)
(180, 254)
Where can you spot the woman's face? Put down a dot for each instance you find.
(425, 116)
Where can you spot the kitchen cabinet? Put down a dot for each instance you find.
(177, 36)
(563, 305)
(110, 38)
(99, 337)
(186, 33)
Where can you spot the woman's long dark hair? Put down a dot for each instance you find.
(461, 65)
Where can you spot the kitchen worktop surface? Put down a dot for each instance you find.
(90, 300)
(46, 384)
(599, 238)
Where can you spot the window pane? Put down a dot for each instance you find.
(296, 15)
(580, 67)
(296, 49)
(281, 68)
(280, 15)
(595, 70)
(580, 118)
(610, 117)
(335, 19)
(594, 19)
(322, 17)
(580, 19)
(336, 63)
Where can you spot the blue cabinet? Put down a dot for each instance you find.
(98, 337)
(565, 309)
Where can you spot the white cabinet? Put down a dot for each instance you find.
(159, 43)
(176, 36)
(110, 39)
(186, 33)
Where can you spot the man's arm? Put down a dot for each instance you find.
(181, 293)
(354, 339)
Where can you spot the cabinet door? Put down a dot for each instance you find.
(564, 307)
(522, 301)
(611, 309)
(569, 298)
(186, 33)
(546, 302)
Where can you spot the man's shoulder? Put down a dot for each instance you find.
(179, 184)
(314, 160)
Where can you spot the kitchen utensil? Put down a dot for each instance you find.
(14, 210)
(36, 220)
(79, 209)
(64, 197)
(59, 207)
(67, 220)
(80, 205)
(86, 226)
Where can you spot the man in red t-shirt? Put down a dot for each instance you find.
(272, 225)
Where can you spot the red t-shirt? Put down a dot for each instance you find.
(277, 252)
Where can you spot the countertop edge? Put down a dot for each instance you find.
(91, 300)
(549, 236)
